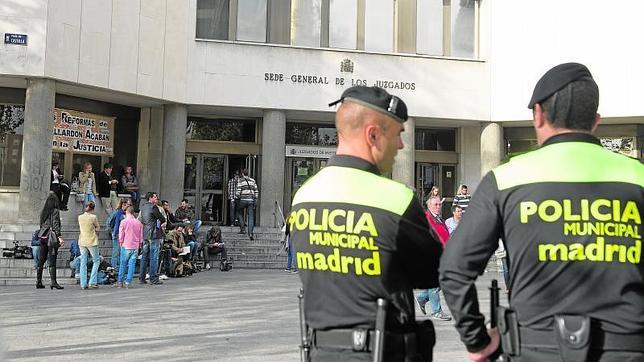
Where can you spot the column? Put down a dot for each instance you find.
(273, 155)
(36, 148)
(491, 146)
(469, 156)
(150, 149)
(173, 152)
(405, 163)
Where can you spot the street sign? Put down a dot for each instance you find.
(19, 39)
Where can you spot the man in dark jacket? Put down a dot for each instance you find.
(153, 223)
(59, 186)
(359, 236)
(568, 214)
(107, 187)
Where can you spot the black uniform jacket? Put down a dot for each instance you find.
(359, 237)
(569, 215)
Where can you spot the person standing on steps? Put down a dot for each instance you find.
(88, 243)
(246, 195)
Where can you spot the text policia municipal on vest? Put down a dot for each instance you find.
(603, 218)
(339, 232)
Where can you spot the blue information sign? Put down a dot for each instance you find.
(20, 39)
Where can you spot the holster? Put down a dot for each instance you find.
(573, 336)
(508, 327)
(425, 339)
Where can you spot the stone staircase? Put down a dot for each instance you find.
(260, 253)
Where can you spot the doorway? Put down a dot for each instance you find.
(298, 170)
(443, 176)
(206, 183)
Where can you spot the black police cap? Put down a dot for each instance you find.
(377, 99)
(556, 79)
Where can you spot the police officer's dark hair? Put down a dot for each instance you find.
(574, 106)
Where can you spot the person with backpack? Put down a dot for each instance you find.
(113, 223)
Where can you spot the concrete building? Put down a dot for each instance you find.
(188, 91)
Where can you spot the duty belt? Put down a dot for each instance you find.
(361, 340)
(599, 340)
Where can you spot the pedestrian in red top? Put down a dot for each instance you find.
(433, 215)
(438, 226)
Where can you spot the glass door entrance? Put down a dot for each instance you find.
(442, 176)
(204, 182)
(298, 170)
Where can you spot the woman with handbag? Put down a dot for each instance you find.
(50, 240)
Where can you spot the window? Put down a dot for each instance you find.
(306, 22)
(311, 134)
(431, 27)
(379, 26)
(463, 31)
(429, 37)
(12, 118)
(231, 130)
(212, 19)
(436, 139)
(343, 24)
(251, 20)
(623, 145)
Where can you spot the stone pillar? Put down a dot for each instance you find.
(273, 156)
(174, 152)
(35, 174)
(404, 167)
(491, 146)
(469, 156)
(150, 147)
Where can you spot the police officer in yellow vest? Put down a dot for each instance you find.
(570, 216)
(359, 236)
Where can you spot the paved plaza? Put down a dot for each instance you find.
(243, 315)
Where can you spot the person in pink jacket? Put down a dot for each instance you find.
(433, 215)
(130, 238)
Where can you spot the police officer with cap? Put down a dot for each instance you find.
(360, 236)
(569, 214)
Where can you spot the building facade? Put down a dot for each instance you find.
(189, 91)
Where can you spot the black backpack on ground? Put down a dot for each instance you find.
(225, 265)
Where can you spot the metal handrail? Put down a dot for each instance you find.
(277, 210)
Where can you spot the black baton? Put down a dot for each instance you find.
(494, 314)
(304, 330)
(379, 340)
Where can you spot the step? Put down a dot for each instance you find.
(16, 263)
(254, 250)
(18, 227)
(257, 257)
(258, 264)
(32, 281)
(31, 273)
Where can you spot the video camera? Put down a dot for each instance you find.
(18, 251)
